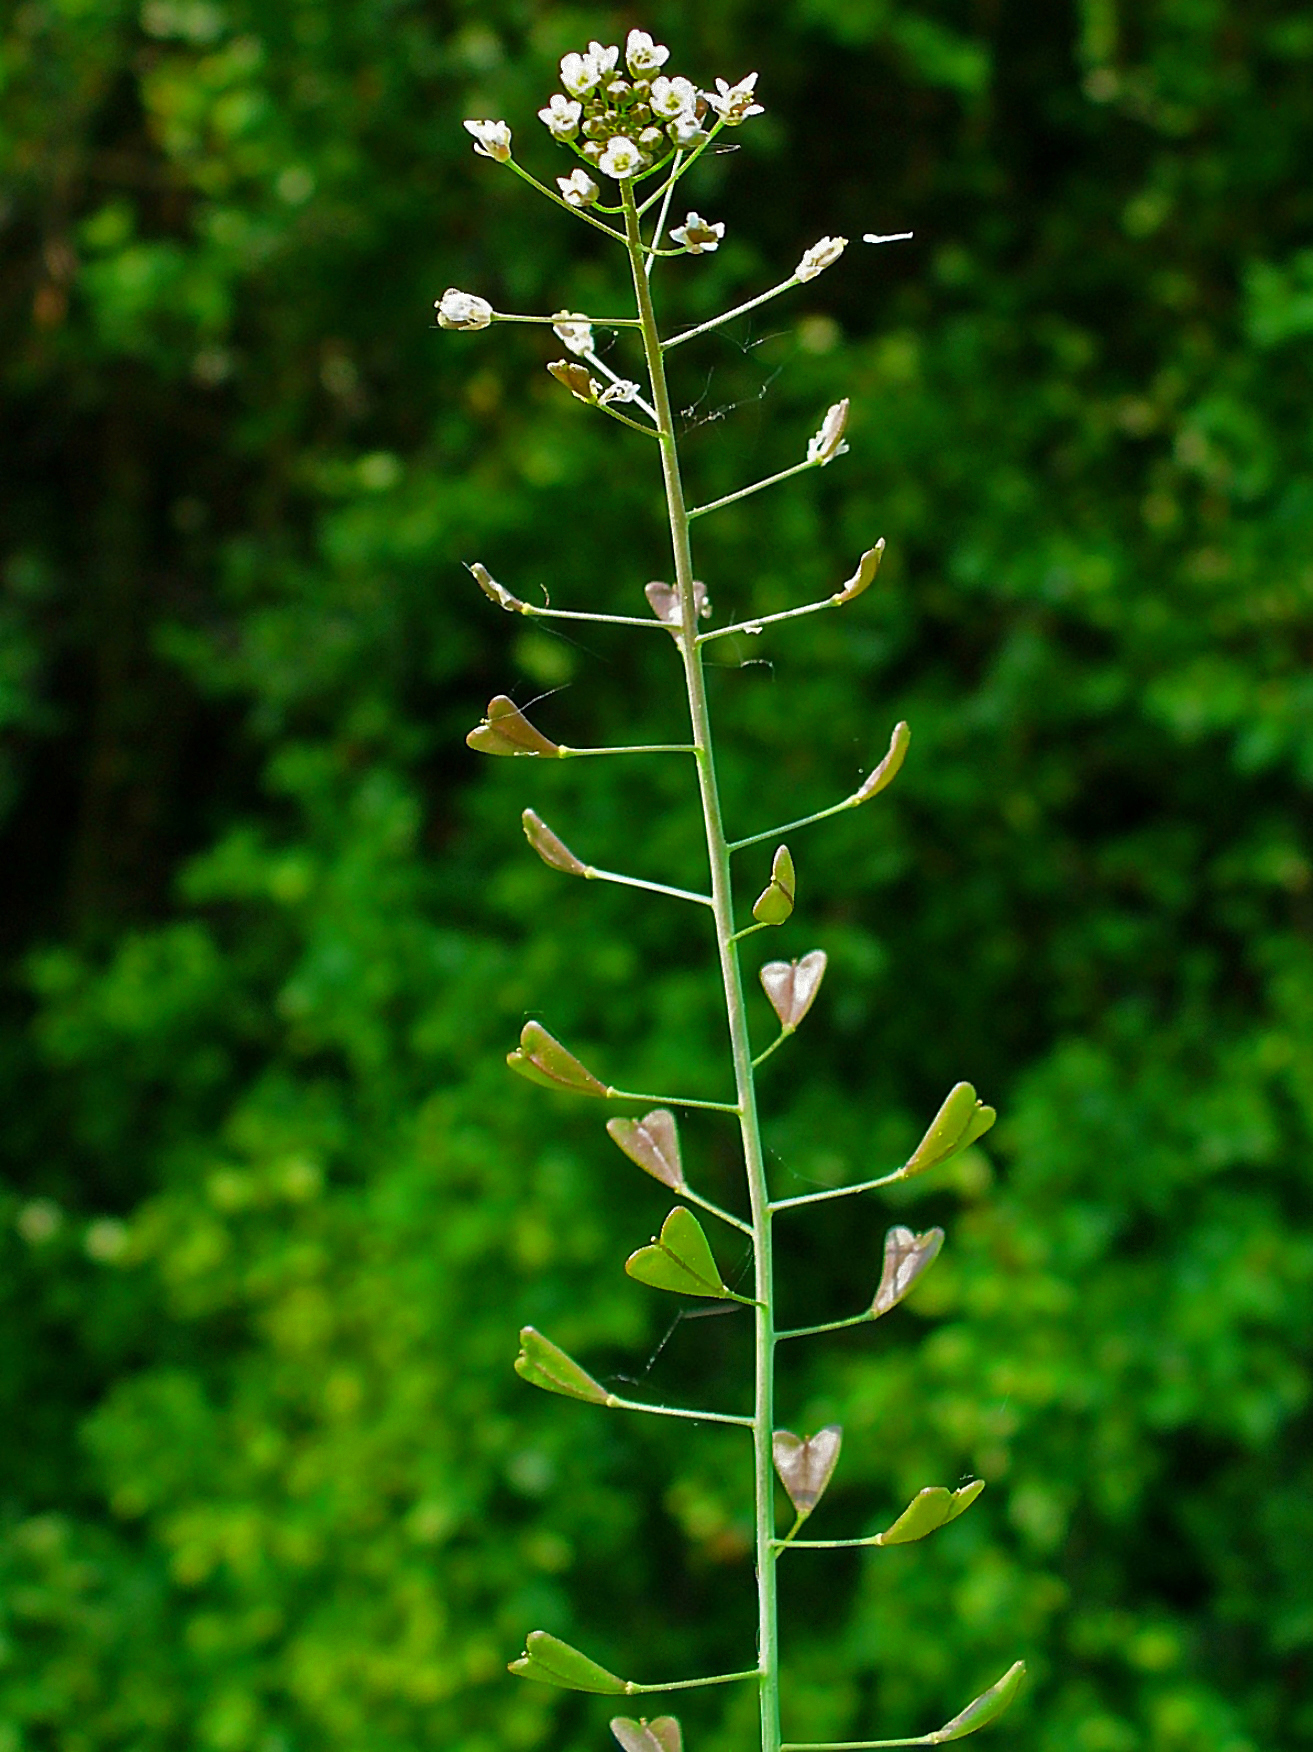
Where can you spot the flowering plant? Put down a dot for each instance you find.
(631, 122)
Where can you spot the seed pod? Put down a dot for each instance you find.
(498, 592)
(792, 986)
(652, 1142)
(806, 1467)
(680, 1259)
(577, 378)
(867, 567)
(889, 767)
(544, 1364)
(550, 849)
(506, 730)
(542, 1059)
(660, 1735)
(553, 1662)
(930, 1509)
(664, 602)
(906, 1256)
(775, 903)
(983, 1709)
(960, 1121)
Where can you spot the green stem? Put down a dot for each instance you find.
(564, 753)
(593, 875)
(755, 839)
(722, 1417)
(729, 315)
(763, 1419)
(808, 1198)
(828, 1326)
(785, 474)
(635, 1690)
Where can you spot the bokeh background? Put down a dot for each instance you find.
(273, 1208)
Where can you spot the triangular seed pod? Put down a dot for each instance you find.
(929, 1510)
(506, 730)
(652, 1142)
(889, 767)
(553, 1662)
(550, 849)
(498, 592)
(906, 1256)
(544, 1364)
(664, 602)
(577, 379)
(542, 1059)
(805, 1468)
(775, 902)
(984, 1709)
(679, 1259)
(960, 1121)
(792, 986)
(661, 1735)
(862, 578)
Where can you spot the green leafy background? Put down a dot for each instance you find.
(273, 1208)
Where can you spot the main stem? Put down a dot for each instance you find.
(722, 901)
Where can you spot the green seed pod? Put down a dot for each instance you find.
(867, 567)
(889, 767)
(543, 1364)
(929, 1510)
(506, 730)
(553, 1662)
(550, 849)
(983, 1709)
(542, 1059)
(775, 903)
(679, 1259)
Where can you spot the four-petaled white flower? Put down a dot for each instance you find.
(572, 327)
(579, 73)
(671, 97)
(462, 310)
(828, 442)
(698, 235)
(621, 159)
(578, 189)
(491, 139)
(734, 103)
(642, 55)
(603, 59)
(561, 117)
(819, 257)
(620, 391)
(686, 130)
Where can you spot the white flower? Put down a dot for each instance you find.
(462, 310)
(620, 391)
(734, 103)
(698, 235)
(687, 131)
(561, 117)
(572, 327)
(491, 139)
(621, 158)
(671, 97)
(642, 55)
(819, 257)
(828, 442)
(603, 59)
(578, 189)
(579, 73)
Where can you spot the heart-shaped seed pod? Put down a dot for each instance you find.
(792, 986)
(888, 769)
(542, 1059)
(775, 902)
(863, 577)
(550, 849)
(806, 1467)
(506, 730)
(960, 1121)
(553, 1662)
(982, 1709)
(664, 602)
(930, 1509)
(652, 1142)
(679, 1259)
(906, 1256)
(544, 1364)
(661, 1735)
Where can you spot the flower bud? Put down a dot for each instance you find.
(828, 442)
(818, 257)
(462, 310)
(571, 326)
(491, 139)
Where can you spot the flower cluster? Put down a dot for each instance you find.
(623, 118)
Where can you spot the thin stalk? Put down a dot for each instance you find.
(763, 1418)
(729, 315)
(591, 358)
(671, 1101)
(755, 839)
(722, 1417)
(829, 1544)
(716, 1211)
(564, 753)
(761, 1058)
(756, 487)
(828, 1326)
(635, 1690)
(579, 614)
(597, 321)
(806, 1198)
(766, 620)
(663, 215)
(593, 875)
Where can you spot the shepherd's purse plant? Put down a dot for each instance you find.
(643, 130)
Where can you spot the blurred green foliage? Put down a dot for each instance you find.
(274, 1209)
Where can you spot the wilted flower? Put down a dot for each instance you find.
(828, 442)
(642, 55)
(620, 391)
(621, 159)
(734, 103)
(561, 116)
(577, 379)
(670, 97)
(819, 257)
(698, 234)
(572, 327)
(686, 130)
(491, 139)
(579, 73)
(462, 310)
(578, 189)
